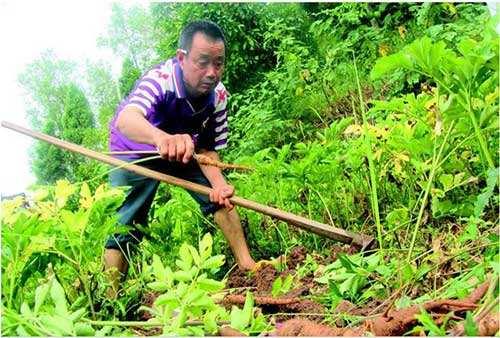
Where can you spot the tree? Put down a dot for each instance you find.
(58, 108)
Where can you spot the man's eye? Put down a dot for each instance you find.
(203, 63)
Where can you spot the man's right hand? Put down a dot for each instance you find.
(177, 147)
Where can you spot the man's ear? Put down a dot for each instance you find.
(180, 54)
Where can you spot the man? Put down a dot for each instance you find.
(177, 108)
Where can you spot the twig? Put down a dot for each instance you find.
(144, 324)
(200, 158)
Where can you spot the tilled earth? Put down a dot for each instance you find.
(297, 313)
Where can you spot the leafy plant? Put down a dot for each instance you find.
(50, 315)
(187, 291)
(281, 285)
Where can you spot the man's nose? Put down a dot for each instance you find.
(211, 71)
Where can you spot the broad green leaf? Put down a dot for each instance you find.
(470, 325)
(41, 293)
(84, 329)
(287, 283)
(158, 286)
(213, 262)
(487, 193)
(193, 296)
(276, 288)
(210, 285)
(248, 308)
(56, 323)
(447, 181)
(25, 310)
(158, 268)
(210, 322)
(78, 314)
(205, 246)
(86, 198)
(429, 324)
(195, 255)
(62, 191)
(170, 299)
(182, 276)
(186, 259)
(388, 64)
(59, 298)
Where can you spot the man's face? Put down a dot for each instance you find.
(203, 65)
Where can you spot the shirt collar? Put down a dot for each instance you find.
(180, 89)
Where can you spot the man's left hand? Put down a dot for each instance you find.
(221, 194)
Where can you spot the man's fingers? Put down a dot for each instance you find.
(180, 151)
(189, 149)
(171, 151)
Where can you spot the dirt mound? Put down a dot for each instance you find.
(397, 322)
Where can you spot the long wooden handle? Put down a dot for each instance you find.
(302, 222)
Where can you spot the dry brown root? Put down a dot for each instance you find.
(476, 295)
(397, 322)
(304, 327)
(489, 325)
(205, 160)
(228, 331)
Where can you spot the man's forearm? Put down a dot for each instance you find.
(132, 124)
(212, 173)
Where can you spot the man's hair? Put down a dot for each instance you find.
(209, 28)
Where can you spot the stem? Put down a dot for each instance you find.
(83, 278)
(479, 135)
(143, 324)
(371, 164)
(435, 166)
(12, 277)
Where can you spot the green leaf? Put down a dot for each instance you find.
(487, 192)
(287, 284)
(276, 288)
(25, 310)
(158, 268)
(195, 255)
(429, 324)
(84, 329)
(240, 319)
(63, 190)
(210, 322)
(470, 325)
(75, 316)
(210, 285)
(182, 276)
(58, 325)
(158, 286)
(388, 64)
(169, 299)
(248, 308)
(205, 246)
(41, 293)
(346, 262)
(193, 296)
(59, 297)
(186, 260)
(213, 262)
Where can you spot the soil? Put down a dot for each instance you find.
(297, 313)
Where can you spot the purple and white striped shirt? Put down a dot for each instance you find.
(161, 96)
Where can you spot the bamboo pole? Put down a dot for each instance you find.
(331, 232)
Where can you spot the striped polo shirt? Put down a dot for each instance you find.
(161, 96)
